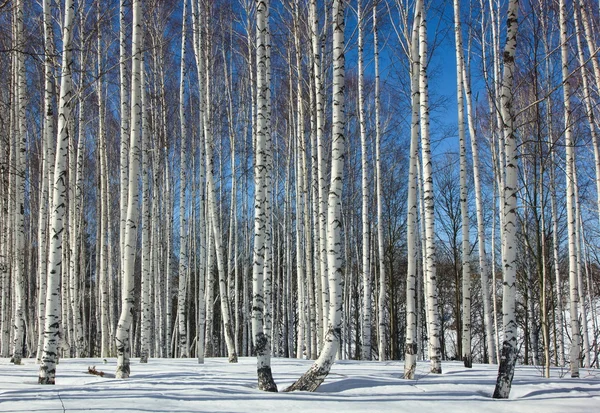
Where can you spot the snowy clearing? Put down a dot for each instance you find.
(182, 385)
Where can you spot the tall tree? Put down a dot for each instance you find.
(433, 318)
(123, 341)
(183, 237)
(47, 374)
(509, 353)
(313, 378)
(464, 210)
(262, 157)
(412, 228)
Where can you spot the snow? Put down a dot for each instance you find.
(182, 385)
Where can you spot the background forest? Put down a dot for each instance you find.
(179, 130)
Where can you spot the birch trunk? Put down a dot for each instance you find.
(48, 163)
(366, 265)
(214, 220)
(122, 336)
(464, 210)
(574, 354)
(19, 212)
(412, 228)
(47, 374)
(483, 265)
(428, 203)
(104, 205)
(183, 239)
(146, 302)
(261, 340)
(382, 330)
(313, 378)
(508, 357)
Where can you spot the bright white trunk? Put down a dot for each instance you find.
(509, 218)
(464, 210)
(122, 336)
(183, 239)
(19, 180)
(382, 331)
(366, 265)
(412, 228)
(59, 198)
(313, 378)
(146, 304)
(435, 351)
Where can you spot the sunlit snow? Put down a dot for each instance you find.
(182, 385)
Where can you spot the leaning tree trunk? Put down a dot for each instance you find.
(313, 378)
(508, 357)
(122, 336)
(49, 360)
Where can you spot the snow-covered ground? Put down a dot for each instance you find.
(184, 386)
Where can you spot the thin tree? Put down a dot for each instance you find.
(412, 228)
(508, 357)
(464, 210)
(47, 374)
(183, 238)
(122, 336)
(261, 340)
(433, 318)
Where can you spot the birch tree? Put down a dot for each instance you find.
(382, 329)
(508, 357)
(412, 228)
(313, 378)
(122, 336)
(47, 373)
(366, 265)
(464, 211)
(19, 180)
(183, 239)
(428, 202)
(261, 340)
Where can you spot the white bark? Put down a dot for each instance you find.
(19, 211)
(412, 228)
(146, 303)
(509, 221)
(262, 158)
(570, 194)
(197, 41)
(122, 336)
(313, 378)
(464, 210)
(366, 265)
(382, 331)
(213, 216)
(48, 163)
(428, 203)
(183, 238)
(49, 360)
(483, 265)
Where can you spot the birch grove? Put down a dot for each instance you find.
(249, 178)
